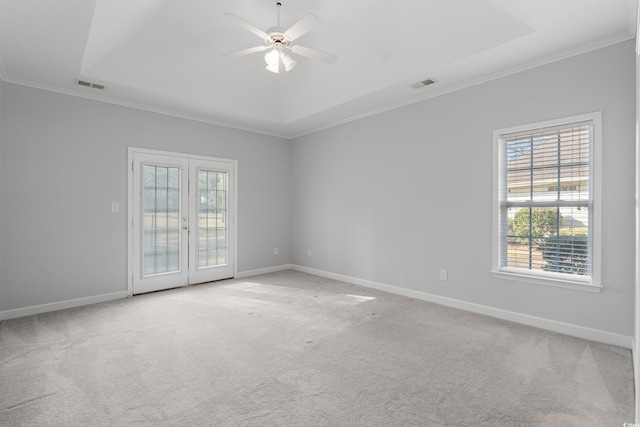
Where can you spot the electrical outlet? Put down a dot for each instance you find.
(444, 275)
(115, 207)
(275, 251)
(308, 252)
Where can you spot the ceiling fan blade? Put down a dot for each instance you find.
(302, 26)
(246, 25)
(329, 58)
(247, 51)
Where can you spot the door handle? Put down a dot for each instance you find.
(184, 227)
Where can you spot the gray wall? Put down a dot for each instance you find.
(64, 161)
(636, 353)
(396, 197)
(1, 194)
(392, 198)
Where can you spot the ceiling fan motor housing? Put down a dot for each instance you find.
(278, 39)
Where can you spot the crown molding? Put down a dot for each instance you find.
(147, 108)
(618, 38)
(549, 59)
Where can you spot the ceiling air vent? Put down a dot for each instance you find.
(423, 83)
(92, 85)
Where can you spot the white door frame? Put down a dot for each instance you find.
(130, 203)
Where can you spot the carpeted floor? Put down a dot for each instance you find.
(289, 349)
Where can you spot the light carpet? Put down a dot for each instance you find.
(290, 349)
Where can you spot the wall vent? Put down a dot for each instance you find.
(423, 83)
(91, 85)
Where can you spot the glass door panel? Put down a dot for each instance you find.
(161, 219)
(212, 218)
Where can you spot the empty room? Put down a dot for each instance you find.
(319, 213)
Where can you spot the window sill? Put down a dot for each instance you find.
(548, 281)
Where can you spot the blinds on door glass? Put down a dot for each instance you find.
(546, 199)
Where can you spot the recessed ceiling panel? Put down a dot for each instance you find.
(167, 55)
(381, 44)
(175, 50)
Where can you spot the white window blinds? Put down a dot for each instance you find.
(546, 200)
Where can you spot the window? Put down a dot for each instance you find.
(563, 188)
(546, 209)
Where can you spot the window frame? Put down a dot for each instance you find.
(590, 283)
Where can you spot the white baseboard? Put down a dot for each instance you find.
(44, 308)
(249, 273)
(636, 376)
(525, 319)
(551, 325)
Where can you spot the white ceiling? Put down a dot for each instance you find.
(166, 55)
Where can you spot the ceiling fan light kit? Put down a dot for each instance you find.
(279, 42)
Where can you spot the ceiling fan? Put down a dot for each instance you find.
(281, 41)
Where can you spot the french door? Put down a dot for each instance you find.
(182, 221)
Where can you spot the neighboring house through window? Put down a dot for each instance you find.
(546, 210)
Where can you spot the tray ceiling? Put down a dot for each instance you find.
(166, 55)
